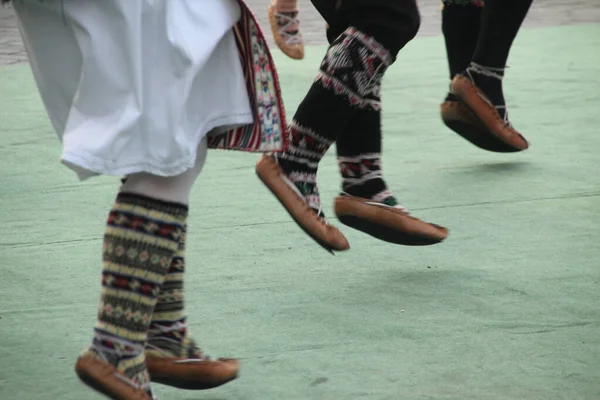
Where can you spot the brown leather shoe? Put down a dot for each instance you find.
(390, 224)
(271, 174)
(105, 379)
(502, 137)
(191, 373)
(286, 33)
(458, 118)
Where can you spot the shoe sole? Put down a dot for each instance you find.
(384, 233)
(189, 385)
(321, 243)
(479, 137)
(387, 223)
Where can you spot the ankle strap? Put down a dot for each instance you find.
(491, 72)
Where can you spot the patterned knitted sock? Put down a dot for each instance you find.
(461, 20)
(351, 69)
(359, 149)
(359, 158)
(141, 238)
(168, 333)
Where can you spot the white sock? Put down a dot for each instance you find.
(174, 189)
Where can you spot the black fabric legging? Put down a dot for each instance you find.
(393, 23)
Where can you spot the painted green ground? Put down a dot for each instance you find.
(507, 308)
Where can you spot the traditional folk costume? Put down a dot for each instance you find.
(478, 37)
(142, 89)
(343, 105)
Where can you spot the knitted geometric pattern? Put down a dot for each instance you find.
(267, 131)
(305, 150)
(169, 306)
(349, 81)
(354, 66)
(126, 356)
(356, 170)
(362, 177)
(173, 341)
(168, 334)
(142, 236)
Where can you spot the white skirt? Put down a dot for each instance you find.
(135, 85)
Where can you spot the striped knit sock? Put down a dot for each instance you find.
(168, 334)
(359, 152)
(352, 67)
(359, 158)
(141, 238)
(361, 177)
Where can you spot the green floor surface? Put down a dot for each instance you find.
(507, 308)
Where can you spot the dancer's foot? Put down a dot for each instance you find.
(115, 367)
(285, 25)
(174, 359)
(298, 193)
(366, 204)
(457, 117)
(479, 89)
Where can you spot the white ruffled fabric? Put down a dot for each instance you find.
(134, 86)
